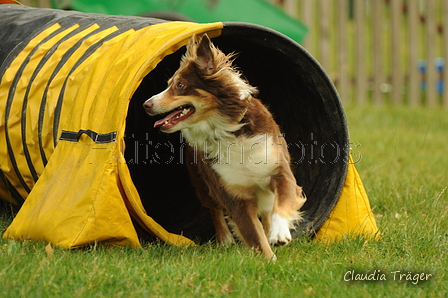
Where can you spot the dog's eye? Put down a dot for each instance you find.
(180, 85)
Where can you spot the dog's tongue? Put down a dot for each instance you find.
(168, 119)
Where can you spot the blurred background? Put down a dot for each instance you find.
(375, 51)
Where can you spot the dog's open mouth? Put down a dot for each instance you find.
(174, 117)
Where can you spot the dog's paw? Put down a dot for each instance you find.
(227, 240)
(280, 234)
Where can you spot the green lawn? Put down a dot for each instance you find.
(402, 158)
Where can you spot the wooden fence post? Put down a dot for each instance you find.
(378, 63)
(342, 62)
(445, 52)
(307, 15)
(397, 79)
(291, 7)
(431, 95)
(413, 90)
(325, 10)
(360, 75)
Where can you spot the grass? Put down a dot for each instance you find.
(402, 160)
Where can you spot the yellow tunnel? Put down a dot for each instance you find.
(81, 163)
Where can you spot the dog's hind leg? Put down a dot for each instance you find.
(289, 200)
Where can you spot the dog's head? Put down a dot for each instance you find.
(205, 88)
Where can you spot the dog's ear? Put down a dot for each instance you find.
(192, 43)
(205, 56)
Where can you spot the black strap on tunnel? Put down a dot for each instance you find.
(123, 27)
(96, 137)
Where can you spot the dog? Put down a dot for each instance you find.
(245, 175)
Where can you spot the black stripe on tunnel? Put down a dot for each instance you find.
(25, 101)
(67, 22)
(46, 19)
(123, 26)
(18, 75)
(12, 190)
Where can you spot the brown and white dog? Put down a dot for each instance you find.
(245, 174)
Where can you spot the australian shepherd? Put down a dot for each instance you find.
(245, 174)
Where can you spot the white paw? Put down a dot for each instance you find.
(280, 234)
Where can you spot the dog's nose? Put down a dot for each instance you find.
(148, 104)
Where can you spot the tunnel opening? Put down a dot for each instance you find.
(300, 96)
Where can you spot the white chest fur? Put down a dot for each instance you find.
(247, 162)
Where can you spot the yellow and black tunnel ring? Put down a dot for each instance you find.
(79, 156)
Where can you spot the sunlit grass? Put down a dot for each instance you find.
(404, 168)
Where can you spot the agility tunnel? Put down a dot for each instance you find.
(79, 158)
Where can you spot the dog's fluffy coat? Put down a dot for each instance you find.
(245, 173)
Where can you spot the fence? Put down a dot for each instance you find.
(380, 51)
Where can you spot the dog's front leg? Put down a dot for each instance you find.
(266, 220)
(243, 214)
(207, 185)
(223, 234)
